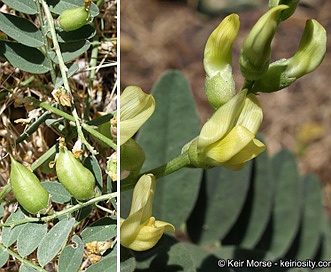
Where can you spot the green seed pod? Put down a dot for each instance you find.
(77, 179)
(27, 188)
(75, 18)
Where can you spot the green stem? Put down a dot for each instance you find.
(94, 59)
(18, 257)
(248, 84)
(88, 128)
(61, 213)
(166, 169)
(36, 103)
(33, 127)
(63, 70)
(46, 44)
(100, 136)
(5, 191)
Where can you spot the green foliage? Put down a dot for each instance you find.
(53, 241)
(71, 256)
(21, 30)
(71, 50)
(266, 211)
(29, 238)
(101, 230)
(26, 6)
(28, 35)
(26, 58)
(37, 45)
(9, 235)
(106, 264)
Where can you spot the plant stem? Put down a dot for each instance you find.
(46, 44)
(88, 128)
(18, 257)
(248, 84)
(36, 103)
(94, 59)
(63, 70)
(61, 213)
(5, 191)
(166, 169)
(33, 127)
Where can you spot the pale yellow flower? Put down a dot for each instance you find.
(135, 108)
(228, 137)
(140, 231)
(282, 73)
(255, 55)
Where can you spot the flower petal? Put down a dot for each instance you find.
(218, 55)
(143, 196)
(256, 51)
(141, 209)
(311, 50)
(251, 115)
(222, 120)
(136, 107)
(252, 150)
(231, 145)
(130, 228)
(149, 234)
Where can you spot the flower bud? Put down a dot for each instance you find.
(220, 85)
(284, 72)
(311, 50)
(136, 107)
(255, 54)
(285, 14)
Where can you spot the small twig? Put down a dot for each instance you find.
(33, 127)
(61, 213)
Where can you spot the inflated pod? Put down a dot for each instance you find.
(77, 179)
(74, 18)
(29, 192)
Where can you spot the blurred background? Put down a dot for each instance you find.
(161, 35)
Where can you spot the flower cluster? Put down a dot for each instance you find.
(228, 138)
